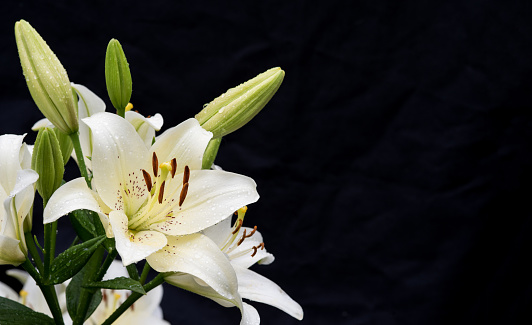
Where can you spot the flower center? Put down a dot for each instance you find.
(229, 245)
(159, 204)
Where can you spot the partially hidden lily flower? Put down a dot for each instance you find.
(17, 191)
(31, 295)
(146, 310)
(243, 247)
(154, 202)
(89, 104)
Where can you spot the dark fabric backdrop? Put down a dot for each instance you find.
(393, 164)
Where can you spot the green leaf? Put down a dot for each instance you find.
(71, 261)
(13, 313)
(132, 271)
(117, 76)
(120, 283)
(83, 223)
(73, 293)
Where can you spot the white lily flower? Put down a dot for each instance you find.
(31, 295)
(146, 310)
(244, 247)
(89, 104)
(153, 210)
(17, 190)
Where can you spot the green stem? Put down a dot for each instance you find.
(33, 250)
(106, 264)
(210, 153)
(51, 299)
(121, 112)
(50, 230)
(79, 155)
(159, 279)
(48, 292)
(87, 293)
(145, 272)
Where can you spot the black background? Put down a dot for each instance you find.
(393, 164)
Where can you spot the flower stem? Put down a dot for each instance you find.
(159, 279)
(79, 155)
(106, 263)
(33, 251)
(48, 291)
(50, 234)
(87, 293)
(145, 272)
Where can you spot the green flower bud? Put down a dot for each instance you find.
(47, 161)
(46, 78)
(117, 76)
(65, 144)
(239, 105)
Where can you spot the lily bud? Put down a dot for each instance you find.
(46, 78)
(239, 105)
(65, 144)
(117, 76)
(47, 161)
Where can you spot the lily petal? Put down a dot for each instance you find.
(254, 286)
(117, 159)
(7, 292)
(212, 196)
(24, 192)
(199, 256)
(220, 232)
(145, 126)
(188, 150)
(42, 123)
(10, 252)
(132, 246)
(89, 104)
(250, 316)
(71, 196)
(10, 146)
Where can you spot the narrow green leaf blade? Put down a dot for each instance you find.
(71, 261)
(73, 292)
(120, 283)
(83, 223)
(14, 313)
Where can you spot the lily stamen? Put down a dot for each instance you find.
(161, 193)
(244, 236)
(147, 179)
(174, 166)
(239, 221)
(183, 194)
(155, 164)
(186, 175)
(116, 296)
(23, 294)
(255, 248)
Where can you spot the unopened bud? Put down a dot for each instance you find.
(46, 78)
(117, 76)
(47, 161)
(239, 105)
